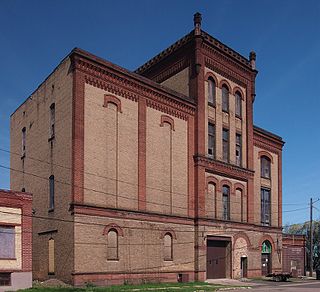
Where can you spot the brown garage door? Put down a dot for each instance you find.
(216, 259)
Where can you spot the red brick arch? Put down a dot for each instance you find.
(226, 83)
(113, 226)
(228, 183)
(265, 153)
(114, 100)
(210, 74)
(212, 179)
(167, 119)
(240, 186)
(168, 231)
(235, 89)
(269, 238)
(241, 235)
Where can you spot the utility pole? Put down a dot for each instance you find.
(311, 242)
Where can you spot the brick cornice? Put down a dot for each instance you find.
(223, 168)
(107, 76)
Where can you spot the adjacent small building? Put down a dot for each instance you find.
(294, 254)
(15, 240)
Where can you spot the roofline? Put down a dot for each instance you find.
(137, 77)
(267, 133)
(34, 91)
(229, 52)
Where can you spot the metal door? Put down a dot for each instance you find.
(216, 259)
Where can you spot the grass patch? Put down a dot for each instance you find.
(161, 287)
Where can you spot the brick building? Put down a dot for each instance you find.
(15, 240)
(157, 174)
(294, 254)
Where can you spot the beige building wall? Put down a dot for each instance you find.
(166, 165)
(110, 151)
(179, 82)
(42, 159)
(214, 197)
(226, 120)
(271, 184)
(140, 247)
(12, 216)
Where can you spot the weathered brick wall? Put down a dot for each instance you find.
(179, 82)
(44, 158)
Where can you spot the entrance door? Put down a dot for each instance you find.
(244, 267)
(216, 259)
(265, 264)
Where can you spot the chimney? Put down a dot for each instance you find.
(252, 58)
(197, 23)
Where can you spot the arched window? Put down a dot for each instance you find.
(212, 198)
(225, 98)
(211, 91)
(265, 167)
(112, 245)
(226, 202)
(238, 103)
(168, 251)
(51, 264)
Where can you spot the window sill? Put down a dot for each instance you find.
(239, 117)
(23, 156)
(211, 104)
(8, 259)
(168, 260)
(51, 210)
(113, 260)
(225, 111)
(264, 177)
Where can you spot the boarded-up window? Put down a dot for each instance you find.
(51, 266)
(7, 242)
(112, 245)
(211, 199)
(168, 254)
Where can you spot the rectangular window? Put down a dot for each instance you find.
(211, 140)
(51, 192)
(225, 144)
(238, 150)
(265, 206)
(238, 104)
(52, 121)
(5, 279)
(225, 202)
(23, 142)
(7, 242)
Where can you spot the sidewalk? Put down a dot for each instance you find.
(231, 282)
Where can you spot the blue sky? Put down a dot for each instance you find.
(36, 35)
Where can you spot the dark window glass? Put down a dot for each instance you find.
(226, 202)
(265, 207)
(211, 140)
(211, 92)
(7, 242)
(52, 120)
(23, 141)
(51, 192)
(225, 144)
(238, 104)
(238, 150)
(5, 279)
(265, 167)
(225, 98)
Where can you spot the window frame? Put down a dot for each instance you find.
(225, 202)
(225, 98)
(239, 149)
(225, 145)
(110, 249)
(51, 192)
(211, 139)
(265, 166)
(265, 206)
(238, 104)
(211, 92)
(7, 230)
(170, 258)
